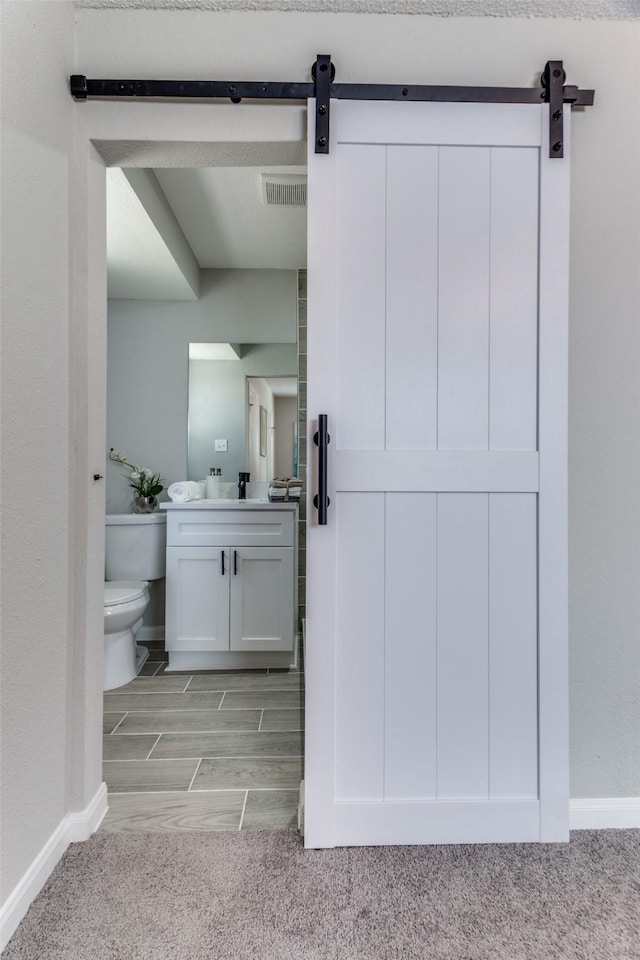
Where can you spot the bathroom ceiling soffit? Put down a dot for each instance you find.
(166, 225)
(215, 351)
(567, 9)
(143, 239)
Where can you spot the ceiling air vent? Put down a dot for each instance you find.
(284, 191)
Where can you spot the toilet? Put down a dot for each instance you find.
(134, 555)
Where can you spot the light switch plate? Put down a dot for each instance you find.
(221, 446)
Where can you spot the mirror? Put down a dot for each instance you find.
(242, 411)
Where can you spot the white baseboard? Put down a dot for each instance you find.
(82, 825)
(304, 641)
(301, 810)
(234, 660)
(74, 827)
(297, 640)
(604, 813)
(32, 883)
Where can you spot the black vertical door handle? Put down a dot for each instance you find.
(235, 563)
(222, 554)
(321, 500)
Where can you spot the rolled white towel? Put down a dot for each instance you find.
(184, 491)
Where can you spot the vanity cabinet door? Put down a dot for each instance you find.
(261, 598)
(197, 617)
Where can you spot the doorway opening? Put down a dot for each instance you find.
(200, 258)
(272, 428)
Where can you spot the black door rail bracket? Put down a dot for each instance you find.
(552, 81)
(323, 88)
(323, 72)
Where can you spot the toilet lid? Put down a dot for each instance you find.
(122, 591)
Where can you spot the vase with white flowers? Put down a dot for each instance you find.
(146, 484)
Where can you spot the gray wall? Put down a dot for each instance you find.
(148, 363)
(36, 626)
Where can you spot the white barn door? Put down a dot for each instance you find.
(436, 650)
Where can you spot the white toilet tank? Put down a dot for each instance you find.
(135, 546)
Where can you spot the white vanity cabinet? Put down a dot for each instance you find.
(229, 585)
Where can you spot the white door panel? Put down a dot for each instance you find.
(463, 298)
(462, 639)
(513, 331)
(411, 381)
(449, 821)
(359, 679)
(436, 594)
(462, 471)
(410, 654)
(513, 629)
(361, 334)
(489, 124)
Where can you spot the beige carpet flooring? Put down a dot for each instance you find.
(261, 896)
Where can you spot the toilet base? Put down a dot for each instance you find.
(123, 659)
(142, 655)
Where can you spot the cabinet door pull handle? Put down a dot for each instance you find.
(222, 555)
(235, 563)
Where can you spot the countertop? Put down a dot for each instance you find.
(228, 505)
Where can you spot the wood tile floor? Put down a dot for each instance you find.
(204, 751)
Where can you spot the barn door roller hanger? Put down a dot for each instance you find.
(324, 89)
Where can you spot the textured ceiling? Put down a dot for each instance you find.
(570, 9)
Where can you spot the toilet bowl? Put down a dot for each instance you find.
(124, 604)
(134, 555)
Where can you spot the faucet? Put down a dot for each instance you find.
(243, 479)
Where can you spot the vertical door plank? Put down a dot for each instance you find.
(410, 646)
(513, 398)
(320, 643)
(412, 298)
(463, 736)
(463, 312)
(553, 665)
(361, 297)
(360, 646)
(513, 645)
